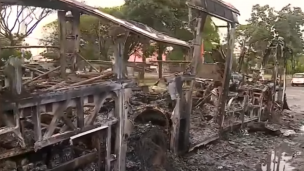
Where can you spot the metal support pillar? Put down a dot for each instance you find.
(227, 75)
(62, 41)
(160, 59)
(108, 145)
(69, 38)
(76, 34)
(72, 40)
(146, 45)
(96, 139)
(196, 61)
(177, 141)
(120, 109)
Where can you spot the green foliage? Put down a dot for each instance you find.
(210, 35)
(6, 53)
(163, 16)
(256, 34)
(176, 54)
(298, 65)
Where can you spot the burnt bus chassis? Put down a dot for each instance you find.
(56, 102)
(198, 12)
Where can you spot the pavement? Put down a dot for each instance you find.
(288, 155)
(295, 98)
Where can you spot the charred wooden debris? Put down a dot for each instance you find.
(55, 118)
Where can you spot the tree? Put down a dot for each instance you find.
(165, 16)
(27, 18)
(6, 53)
(254, 36)
(13, 31)
(51, 38)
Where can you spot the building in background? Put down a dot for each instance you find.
(137, 56)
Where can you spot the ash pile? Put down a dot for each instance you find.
(148, 150)
(148, 144)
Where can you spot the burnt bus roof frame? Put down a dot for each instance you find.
(216, 8)
(225, 12)
(68, 5)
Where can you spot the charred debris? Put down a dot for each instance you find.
(60, 116)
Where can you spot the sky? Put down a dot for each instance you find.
(244, 6)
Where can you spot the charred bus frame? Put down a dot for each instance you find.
(198, 12)
(55, 102)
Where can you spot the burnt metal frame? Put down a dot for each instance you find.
(278, 50)
(66, 98)
(227, 74)
(76, 97)
(216, 8)
(183, 109)
(179, 140)
(180, 131)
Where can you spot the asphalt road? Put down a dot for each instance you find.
(295, 98)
